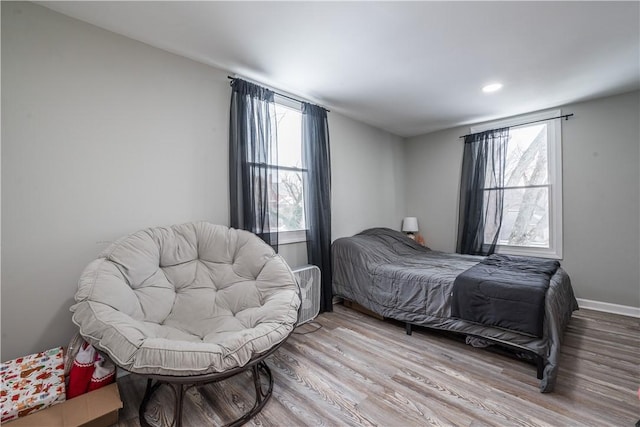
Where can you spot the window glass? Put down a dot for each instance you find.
(289, 128)
(525, 218)
(532, 204)
(289, 173)
(525, 213)
(527, 156)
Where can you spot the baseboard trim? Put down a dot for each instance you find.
(608, 307)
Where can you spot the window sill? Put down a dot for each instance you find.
(529, 251)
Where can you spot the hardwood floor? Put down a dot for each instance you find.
(358, 370)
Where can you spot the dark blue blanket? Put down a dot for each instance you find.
(504, 291)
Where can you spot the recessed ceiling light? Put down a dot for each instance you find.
(492, 87)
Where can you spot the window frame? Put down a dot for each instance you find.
(291, 236)
(554, 150)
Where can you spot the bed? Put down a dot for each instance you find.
(388, 273)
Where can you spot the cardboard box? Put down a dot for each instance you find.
(97, 408)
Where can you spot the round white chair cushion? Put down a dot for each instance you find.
(189, 299)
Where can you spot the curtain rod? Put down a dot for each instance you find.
(564, 116)
(283, 95)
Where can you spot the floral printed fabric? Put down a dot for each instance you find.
(32, 383)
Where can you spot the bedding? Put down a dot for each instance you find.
(390, 274)
(505, 291)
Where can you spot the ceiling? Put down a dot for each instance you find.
(406, 67)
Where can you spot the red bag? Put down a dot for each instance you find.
(81, 371)
(103, 374)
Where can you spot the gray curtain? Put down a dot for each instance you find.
(317, 195)
(482, 191)
(252, 149)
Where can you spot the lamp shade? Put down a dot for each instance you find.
(410, 224)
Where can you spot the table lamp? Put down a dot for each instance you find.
(410, 226)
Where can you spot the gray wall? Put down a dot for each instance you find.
(102, 136)
(601, 190)
(367, 178)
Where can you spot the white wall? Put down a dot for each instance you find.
(601, 190)
(103, 136)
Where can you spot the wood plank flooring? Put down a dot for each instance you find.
(361, 371)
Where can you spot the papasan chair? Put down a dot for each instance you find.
(188, 305)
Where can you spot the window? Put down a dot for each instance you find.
(289, 198)
(532, 206)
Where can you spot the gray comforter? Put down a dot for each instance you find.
(505, 291)
(388, 273)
